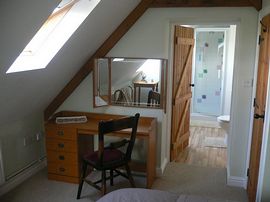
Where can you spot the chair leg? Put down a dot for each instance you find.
(130, 178)
(103, 183)
(111, 177)
(84, 168)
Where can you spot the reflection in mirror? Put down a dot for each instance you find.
(135, 82)
(101, 82)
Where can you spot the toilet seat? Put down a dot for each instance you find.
(224, 118)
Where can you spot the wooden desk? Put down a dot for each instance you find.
(66, 143)
(143, 84)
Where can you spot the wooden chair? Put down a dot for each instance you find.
(153, 98)
(110, 158)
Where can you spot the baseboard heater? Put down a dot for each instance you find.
(25, 168)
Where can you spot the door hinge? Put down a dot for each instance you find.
(260, 39)
(248, 172)
(172, 147)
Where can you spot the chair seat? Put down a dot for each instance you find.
(110, 156)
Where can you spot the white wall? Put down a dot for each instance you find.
(17, 155)
(21, 113)
(150, 37)
(230, 48)
(265, 3)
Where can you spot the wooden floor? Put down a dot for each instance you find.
(198, 154)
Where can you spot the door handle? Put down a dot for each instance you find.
(192, 85)
(259, 116)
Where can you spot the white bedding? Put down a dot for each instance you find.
(148, 195)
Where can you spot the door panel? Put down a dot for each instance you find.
(259, 110)
(182, 70)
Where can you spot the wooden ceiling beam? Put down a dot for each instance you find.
(257, 4)
(120, 31)
(207, 3)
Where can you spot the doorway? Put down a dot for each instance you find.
(211, 87)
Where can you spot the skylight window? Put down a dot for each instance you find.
(53, 34)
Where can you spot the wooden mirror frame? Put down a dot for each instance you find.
(163, 84)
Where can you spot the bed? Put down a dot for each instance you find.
(148, 195)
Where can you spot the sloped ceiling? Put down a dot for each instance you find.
(30, 92)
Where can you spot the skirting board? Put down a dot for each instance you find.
(237, 182)
(162, 168)
(15, 181)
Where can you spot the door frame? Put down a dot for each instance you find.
(169, 89)
(266, 127)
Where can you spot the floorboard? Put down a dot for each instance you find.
(199, 155)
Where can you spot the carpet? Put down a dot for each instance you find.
(202, 181)
(177, 178)
(39, 189)
(218, 142)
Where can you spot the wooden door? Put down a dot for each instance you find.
(181, 94)
(259, 109)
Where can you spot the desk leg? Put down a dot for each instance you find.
(151, 159)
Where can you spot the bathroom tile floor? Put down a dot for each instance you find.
(197, 154)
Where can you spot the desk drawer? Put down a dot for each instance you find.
(63, 169)
(66, 133)
(62, 157)
(61, 145)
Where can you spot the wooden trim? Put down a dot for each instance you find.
(200, 3)
(162, 98)
(110, 82)
(166, 86)
(256, 4)
(94, 82)
(120, 31)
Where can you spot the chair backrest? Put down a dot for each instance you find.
(153, 98)
(123, 96)
(112, 126)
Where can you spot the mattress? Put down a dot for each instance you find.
(149, 195)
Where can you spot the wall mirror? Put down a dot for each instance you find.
(131, 82)
(101, 83)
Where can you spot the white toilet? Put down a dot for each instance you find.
(224, 123)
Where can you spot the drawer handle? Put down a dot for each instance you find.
(60, 133)
(61, 157)
(61, 145)
(62, 169)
